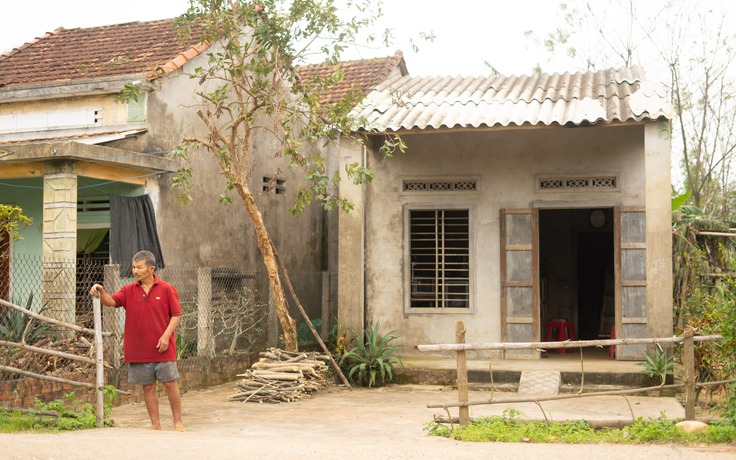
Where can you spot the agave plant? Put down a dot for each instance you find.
(658, 364)
(373, 356)
(16, 326)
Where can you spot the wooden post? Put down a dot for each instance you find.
(688, 362)
(462, 373)
(99, 365)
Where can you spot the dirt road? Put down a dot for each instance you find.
(362, 423)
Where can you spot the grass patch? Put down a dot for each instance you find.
(65, 414)
(18, 422)
(509, 428)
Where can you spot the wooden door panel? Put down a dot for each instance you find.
(519, 278)
(631, 280)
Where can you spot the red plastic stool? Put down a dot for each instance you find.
(564, 331)
(612, 348)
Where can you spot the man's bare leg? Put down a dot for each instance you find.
(172, 391)
(151, 399)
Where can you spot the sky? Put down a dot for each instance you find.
(468, 32)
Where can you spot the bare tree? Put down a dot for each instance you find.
(693, 48)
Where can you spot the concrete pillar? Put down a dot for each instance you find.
(351, 248)
(325, 305)
(205, 338)
(657, 163)
(59, 240)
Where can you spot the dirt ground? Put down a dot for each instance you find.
(384, 423)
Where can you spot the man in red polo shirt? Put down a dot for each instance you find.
(152, 312)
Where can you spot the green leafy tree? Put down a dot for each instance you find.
(251, 85)
(12, 221)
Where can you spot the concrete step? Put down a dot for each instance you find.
(509, 379)
(539, 382)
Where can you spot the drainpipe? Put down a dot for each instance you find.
(365, 249)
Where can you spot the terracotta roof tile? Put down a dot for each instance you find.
(359, 75)
(68, 55)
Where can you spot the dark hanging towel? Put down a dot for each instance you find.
(132, 229)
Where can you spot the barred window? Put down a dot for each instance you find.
(439, 253)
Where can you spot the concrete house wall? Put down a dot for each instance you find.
(205, 232)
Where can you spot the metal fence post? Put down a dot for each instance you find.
(205, 337)
(462, 374)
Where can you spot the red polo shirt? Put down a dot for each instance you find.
(146, 318)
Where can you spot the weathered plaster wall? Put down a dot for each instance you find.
(207, 233)
(351, 253)
(505, 162)
(659, 231)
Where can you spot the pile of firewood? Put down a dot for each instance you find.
(51, 364)
(281, 376)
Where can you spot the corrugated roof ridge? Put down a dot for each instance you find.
(596, 96)
(525, 88)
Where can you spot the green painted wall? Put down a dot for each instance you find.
(28, 194)
(27, 252)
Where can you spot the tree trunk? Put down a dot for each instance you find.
(288, 325)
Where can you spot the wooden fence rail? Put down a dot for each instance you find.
(460, 347)
(97, 332)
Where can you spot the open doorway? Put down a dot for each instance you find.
(576, 260)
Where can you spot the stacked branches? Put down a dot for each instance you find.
(54, 363)
(282, 376)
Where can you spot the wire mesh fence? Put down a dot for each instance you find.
(225, 311)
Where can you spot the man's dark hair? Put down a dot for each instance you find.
(147, 256)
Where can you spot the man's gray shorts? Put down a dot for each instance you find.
(148, 373)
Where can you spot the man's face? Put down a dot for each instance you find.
(141, 270)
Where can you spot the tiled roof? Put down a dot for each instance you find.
(606, 96)
(72, 55)
(359, 75)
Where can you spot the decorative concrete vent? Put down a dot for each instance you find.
(275, 185)
(440, 185)
(577, 183)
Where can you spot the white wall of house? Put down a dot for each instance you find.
(507, 164)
